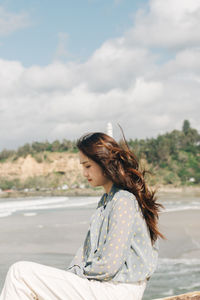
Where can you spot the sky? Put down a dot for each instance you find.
(70, 67)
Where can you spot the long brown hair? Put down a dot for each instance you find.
(121, 167)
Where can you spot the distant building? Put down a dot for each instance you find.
(82, 186)
(109, 129)
(192, 179)
(64, 187)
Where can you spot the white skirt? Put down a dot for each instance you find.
(28, 280)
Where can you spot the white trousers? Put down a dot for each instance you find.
(28, 280)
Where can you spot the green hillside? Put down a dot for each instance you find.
(172, 158)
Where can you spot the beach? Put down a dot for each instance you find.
(50, 231)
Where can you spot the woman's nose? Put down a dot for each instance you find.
(85, 173)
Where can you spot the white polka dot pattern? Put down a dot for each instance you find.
(117, 246)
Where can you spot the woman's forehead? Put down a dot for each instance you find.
(83, 158)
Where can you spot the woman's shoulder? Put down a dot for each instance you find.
(124, 193)
(125, 197)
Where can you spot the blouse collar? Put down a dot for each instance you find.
(108, 197)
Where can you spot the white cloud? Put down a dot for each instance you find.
(167, 24)
(145, 92)
(10, 71)
(115, 65)
(121, 82)
(10, 22)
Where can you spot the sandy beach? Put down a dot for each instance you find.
(181, 229)
(52, 236)
(59, 233)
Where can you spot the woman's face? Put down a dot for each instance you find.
(92, 171)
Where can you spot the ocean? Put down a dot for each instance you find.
(48, 230)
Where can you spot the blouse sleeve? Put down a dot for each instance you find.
(106, 264)
(76, 261)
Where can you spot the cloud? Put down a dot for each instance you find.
(11, 22)
(167, 24)
(10, 71)
(116, 65)
(120, 83)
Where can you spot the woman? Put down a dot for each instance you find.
(119, 253)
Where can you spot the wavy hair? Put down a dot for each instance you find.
(120, 165)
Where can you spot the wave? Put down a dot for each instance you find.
(175, 261)
(180, 206)
(9, 207)
(174, 276)
(190, 287)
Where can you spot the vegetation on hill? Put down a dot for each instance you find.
(172, 158)
(37, 148)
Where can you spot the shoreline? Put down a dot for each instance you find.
(186, 190)
(52, 237)
(51, 193)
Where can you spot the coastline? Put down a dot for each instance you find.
(164, 189)
(51, 193)
(195, 190)
(52, 237)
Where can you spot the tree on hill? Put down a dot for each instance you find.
(174, 156)
(186, 126)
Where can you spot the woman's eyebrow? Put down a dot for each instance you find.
(84, 162)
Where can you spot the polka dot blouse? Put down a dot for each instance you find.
(117, 246)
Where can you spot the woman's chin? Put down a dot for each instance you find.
(93, 184)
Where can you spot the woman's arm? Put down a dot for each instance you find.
(106, 264)
(76, 261)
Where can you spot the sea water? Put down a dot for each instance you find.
(173, 275)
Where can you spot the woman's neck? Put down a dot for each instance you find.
(107, 186)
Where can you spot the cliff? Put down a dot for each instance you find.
(52, 170)
(60, 167)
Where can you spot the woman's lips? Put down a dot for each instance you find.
(89, 179)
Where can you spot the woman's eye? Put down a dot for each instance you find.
(87, 167)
